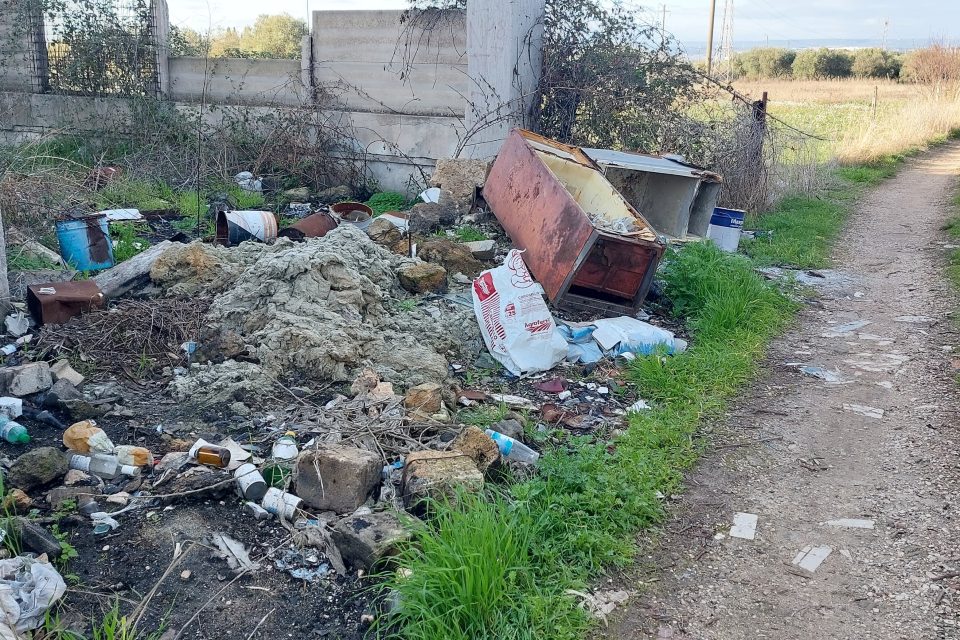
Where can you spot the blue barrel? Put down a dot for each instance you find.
(85, 243)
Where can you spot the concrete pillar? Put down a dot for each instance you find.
(504, 51)
(306, 65)
(5, 303)
(161, 34)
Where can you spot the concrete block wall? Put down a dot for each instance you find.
(237, 81)
(18, 50)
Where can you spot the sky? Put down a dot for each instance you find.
(754, 20)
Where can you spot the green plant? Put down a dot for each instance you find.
(387, 201)
(469, 234)
(23, 261)
(114, 626)
(407, 305)
(482, 415)
(67, 551)
(54, 629)
(126, 241)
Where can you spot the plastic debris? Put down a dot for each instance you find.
(639, 405)
(233, 552)
(431, 195)
(29, 587)
(554, 385)
(248, 182)
(810, 558)
(744, 526)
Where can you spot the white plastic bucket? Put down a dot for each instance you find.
(725, 228)
(249, 481)
(281, 503)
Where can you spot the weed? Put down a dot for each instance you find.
(800, 232)
(469, 234)
(54, 629)
(246, 199)
(387, 201)
(126, 241)
(138, 194)
(67, 551)
(114, 626)
(23, 261)
(483, 415)
(407, 305)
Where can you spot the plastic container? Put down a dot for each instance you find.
(134, 456)
(87, 437)
(251, 484)
(85, 243)
(209, 454)
(13, 432)
(725, 228)
(281, 504)
(285, 448)
(512, 449)
(103, 466)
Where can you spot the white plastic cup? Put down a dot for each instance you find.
(251, 484)
(281, 503)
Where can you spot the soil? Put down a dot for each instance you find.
(791, 454)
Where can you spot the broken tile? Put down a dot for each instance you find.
(845, 329)
(850, 523)
(863, 410)
(810, 558)
(744, 526)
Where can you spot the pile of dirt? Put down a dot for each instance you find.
(321, 310)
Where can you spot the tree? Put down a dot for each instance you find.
(875, 63)
(937, 67)
(187, 42)
(815, 64)
(768, 62)
(275, 36)
(224, 42)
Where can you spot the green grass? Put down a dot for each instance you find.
(136, 194)
(953, 230)
(387, 201)
(581, 512)
(469, 234)
(128, 242)
(18, 260)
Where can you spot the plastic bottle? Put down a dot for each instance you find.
(209, 454)
(512, 449)
(13, 432)
(285, 448)
(103, 466)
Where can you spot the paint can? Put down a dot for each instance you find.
(233, 227)
(725, 228)
(355, 213)
(281, 504)
(251, 484)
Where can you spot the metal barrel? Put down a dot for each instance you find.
(316, 225)
(85, 243)
(233, 227)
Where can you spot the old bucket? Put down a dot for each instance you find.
(725, 227)
(85, 243)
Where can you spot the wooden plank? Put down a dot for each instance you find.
(125, 276)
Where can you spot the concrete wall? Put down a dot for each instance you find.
(18, 50)
(28, 116)
(237, 81)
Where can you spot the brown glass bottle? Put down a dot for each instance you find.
(209, 454)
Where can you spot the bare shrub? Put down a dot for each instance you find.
(937, 68)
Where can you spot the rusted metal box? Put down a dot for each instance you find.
(57, 302)
(587, 246)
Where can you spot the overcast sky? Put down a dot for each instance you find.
(686, 19)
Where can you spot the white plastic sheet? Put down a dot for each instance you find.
(28, 588)
(516, 324)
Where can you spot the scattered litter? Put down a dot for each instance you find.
(122, 215)
(850, 523)
(863, 410)
(845, 329)
(554, 385)
(246, 181)
(514, 402)
(811, 558)
(233, 552)
(639, 405)
(744, 526)
(914, 319)
(302, 566)
(431, 195)
(17, 324)
(822, 373)
(600, 603)
(563, 395)
(30, 586)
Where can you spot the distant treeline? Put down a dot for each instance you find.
(817, 64)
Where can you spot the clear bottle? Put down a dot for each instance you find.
(285, 448)
(101, 465)
(13, 432)
(512, 449)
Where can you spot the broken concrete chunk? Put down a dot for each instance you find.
(36, 468)
(334, 195)
(483, 249)
(479, 446)
(427, 217)
(365, 541)
(79, 495)
(11, 407)
(426, 398)
(436, 475)
(336, 478)
(509, 427)
(27, 379)
(810, 558)
(384, 232)
(744, 526)
(16, 501)
(460, 176)
(61, 370)
(452, 256)
(422, 277)
(298, 194)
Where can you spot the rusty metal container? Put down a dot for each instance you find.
(587, 246)
(57, 302)
(315, 225)
(234, 227)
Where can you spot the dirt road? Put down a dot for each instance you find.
(816, 457)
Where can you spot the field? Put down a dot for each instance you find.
(904, 118)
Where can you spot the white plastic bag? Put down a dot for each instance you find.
(516, 324)
(28, 588)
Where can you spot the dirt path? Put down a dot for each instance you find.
(818, 461)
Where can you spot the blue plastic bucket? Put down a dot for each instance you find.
(725, 227)
(85, 243)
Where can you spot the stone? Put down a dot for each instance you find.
(80, 495)
(427, 217)
(77, 478)
(452, 256)
(27, 379)
(11, 407)
(460, 176)
(60, 393)
(384, 232)
(509, 427)
(336, 478)
(121, 498)
(482, 249)
(437, 475)
(334, 195)
(17, 501)
(299, 194)
(479, 446)
(185, 574)
(366, 381)
(427, 398)
(369, 540)
(36, 468)
(61, 370)
(422, 277)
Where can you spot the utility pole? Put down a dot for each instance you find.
(886, 25)
(713, 14)
(663, 27)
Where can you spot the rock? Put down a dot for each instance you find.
(422, 277)
(11, 407)
(427, 398)
(427, 217)
(364, 541)
(61, 370)
(479, 446)
(366, 381)
(452, 256)
(61, 392)
(80, 495)
(437, 475)
(510, 428)
(35, 538)
(239, 409)
(334, 195)
(185, 574)
(36, 468)
(384, 232)
(460, 176)
(299, 194)
(26, 379)
(17, 502)
(77, 478)
(121, 498)
(336, 478)
(482, 249)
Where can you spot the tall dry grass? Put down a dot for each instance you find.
(912, 125)
(836, 91)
